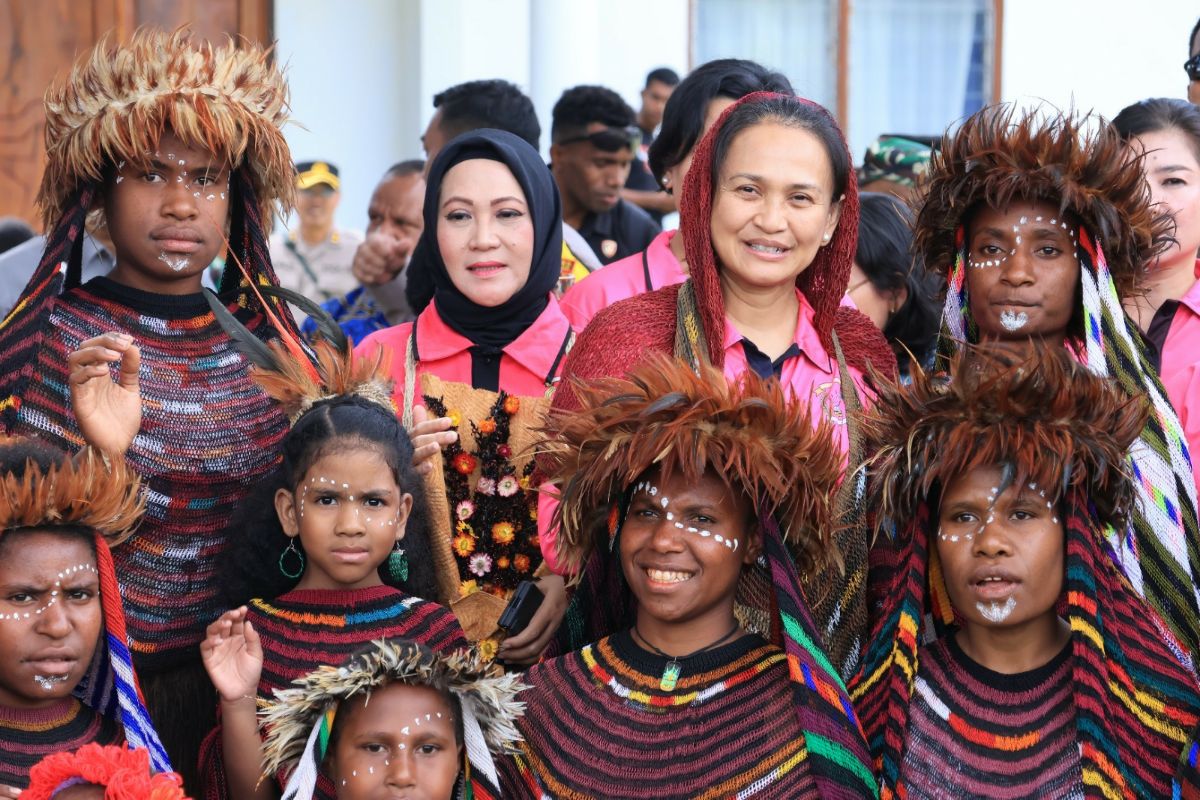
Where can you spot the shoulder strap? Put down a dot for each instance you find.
(690, 343)
(308, 270)
(646, 271)
(411, 359)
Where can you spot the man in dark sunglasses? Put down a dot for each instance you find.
(1192, 66)
(594, 141)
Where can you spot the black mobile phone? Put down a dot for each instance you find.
(521, 607)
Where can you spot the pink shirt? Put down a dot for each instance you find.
(653, 268)
(810, 376)
(1180, 369)
(529, 362)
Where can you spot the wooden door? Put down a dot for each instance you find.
(41, 39)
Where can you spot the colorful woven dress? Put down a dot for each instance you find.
(764, 715)
(1112, 714)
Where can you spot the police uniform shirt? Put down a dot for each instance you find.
(320, 272)
(621, 231)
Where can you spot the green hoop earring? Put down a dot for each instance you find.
(299, 557)
(397, 564)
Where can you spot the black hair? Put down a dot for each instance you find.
(250, 567)
(13, 231)
(16, 456)
(580, 106)
(885, 256)
(402, 169)
(663, 75)
(683, 117)
(488, 104)
(1192, 38)
(790, 112)
(1160, 114)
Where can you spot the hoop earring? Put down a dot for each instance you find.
(397, 564)
(291, 548)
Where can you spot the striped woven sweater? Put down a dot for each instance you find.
(28, 736)
(973, 732)
(598, 725)
(306, 628)
(208, 435)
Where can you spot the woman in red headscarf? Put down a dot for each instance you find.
(769, 219)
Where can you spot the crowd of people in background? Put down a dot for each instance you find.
(704, 459)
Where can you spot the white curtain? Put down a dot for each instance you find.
(909, 62)
(795, 37)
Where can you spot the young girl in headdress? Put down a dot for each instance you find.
(66, 678)
(1009, 657)
(396, 719)
(1044, 225)
(333, 550)
(175, 146)
(694, 668)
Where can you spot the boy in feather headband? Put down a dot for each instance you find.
(176, 147)
(1009, 657)
(1043, 225)
(693, 648)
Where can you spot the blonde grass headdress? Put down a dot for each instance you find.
(299, 721)
(114, 106)
(87, 491)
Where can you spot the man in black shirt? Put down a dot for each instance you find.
(594, 141)
(641, 188)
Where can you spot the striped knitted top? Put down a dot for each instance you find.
(208, 434)
(598, 725)
(973, 732)
(28, 736)
(306, 628)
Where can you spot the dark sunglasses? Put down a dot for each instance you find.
(1192, 67)
(611, 140)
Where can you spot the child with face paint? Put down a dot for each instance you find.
(66, 678)
(175, 147)
(395, 720)
(1009, 657)
(690, 644)
(333, 550)
(1043, 225)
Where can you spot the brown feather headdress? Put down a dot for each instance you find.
(1054, 423)
(230, 100)
(685, 421)
(1076, 162)
(79, 491)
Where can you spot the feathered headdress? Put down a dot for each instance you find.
(298, 723)
(84, 491)
(1045, 416)
(1050, 422)
(1077, 162)
(231, 100)
(124, 773)
(685, 421)
(299, 376)
(998, 156)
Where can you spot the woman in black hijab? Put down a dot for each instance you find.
(474, 375)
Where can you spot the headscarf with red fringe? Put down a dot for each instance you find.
(114, 106)
(1000, 156)
(85, 492)
(1047, 420)
(684, 421)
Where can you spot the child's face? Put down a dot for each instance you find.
(167, 218)
(50, 616)
(348, 512)
(1001, 552)
(683, 546)
(398, 742)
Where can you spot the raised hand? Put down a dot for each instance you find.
(109, 414)
(428, 437)
(233, 657)
(379, 259)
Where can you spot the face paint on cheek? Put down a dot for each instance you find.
(66, 573)
(664, 502)
(995, 612)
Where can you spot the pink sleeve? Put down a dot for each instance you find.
(580, 304)
(547, 531)
(1189, 379)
